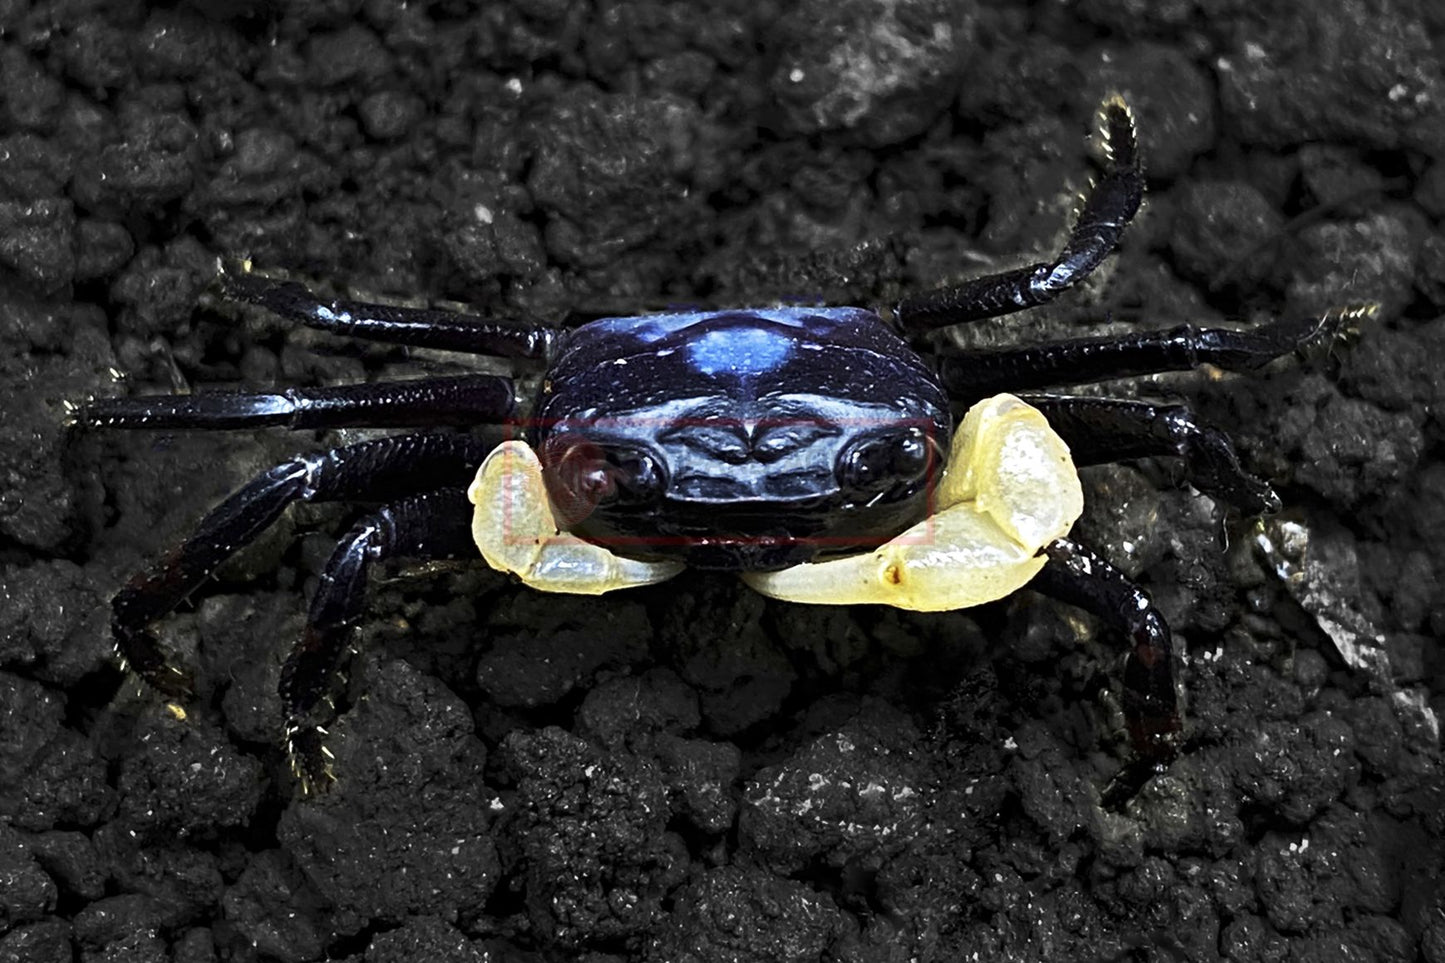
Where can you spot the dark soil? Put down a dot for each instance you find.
(691, 772)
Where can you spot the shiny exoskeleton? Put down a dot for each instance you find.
(741, 440)
(807, 447)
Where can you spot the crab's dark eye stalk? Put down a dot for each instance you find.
(581, 474)
(636, 476)
(885, 463)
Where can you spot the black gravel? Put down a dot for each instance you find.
(690, 772)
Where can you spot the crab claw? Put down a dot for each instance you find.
(1010, 488)
(517, 532)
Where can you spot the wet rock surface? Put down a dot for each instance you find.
(691, 772)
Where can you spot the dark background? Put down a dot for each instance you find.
(691, 772)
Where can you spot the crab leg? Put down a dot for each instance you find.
(428, 526)
(1009, 489)
(1151, 702)
(1180, 348)
(1106, 212)
(516, 531)
(418, 327)
(465, 401)
(382, 468)
(1101, 430)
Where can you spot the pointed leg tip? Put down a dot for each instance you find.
(1118, 132)
(1365, 311)
(228, 267)
(1270, 503)
(1115, 112)
(71, 412)
(311, 763)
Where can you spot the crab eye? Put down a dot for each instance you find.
(581, 474)
(886, 463)
(634, 474)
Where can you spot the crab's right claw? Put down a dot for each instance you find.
(516, 531)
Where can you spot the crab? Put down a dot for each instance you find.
(814, 450)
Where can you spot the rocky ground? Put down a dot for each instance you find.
(691, 772)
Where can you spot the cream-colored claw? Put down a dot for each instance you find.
(516, 531)
(1010, 488)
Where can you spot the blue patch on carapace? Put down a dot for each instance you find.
(739, 351)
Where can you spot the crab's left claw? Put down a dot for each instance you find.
(1010, 488)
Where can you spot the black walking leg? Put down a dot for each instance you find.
(379, 470)
(464, 401)
(420, 327)
(979, 373)
(1107, 211)
(1103, 430)
(430, 526)
(1075, 575)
